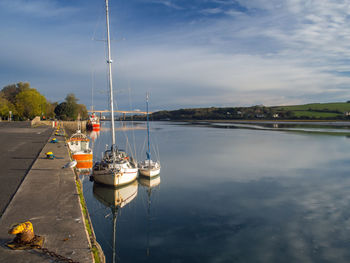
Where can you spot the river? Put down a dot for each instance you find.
(228, 194)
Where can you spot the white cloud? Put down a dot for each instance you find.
(262, 4)
(167, 3)
(40, 8)
(293, 50)
(273, 52)
(212, 11)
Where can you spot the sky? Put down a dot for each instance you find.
(186, 53)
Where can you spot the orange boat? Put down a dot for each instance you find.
(78, 144)
(93, 123)
(86, 164)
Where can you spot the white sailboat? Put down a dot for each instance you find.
(116, 168)
(148, 167)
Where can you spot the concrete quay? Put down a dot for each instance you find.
(49, 199)
(20, 146)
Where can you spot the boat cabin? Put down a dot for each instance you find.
(78, 142)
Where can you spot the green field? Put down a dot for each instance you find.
(315, 114)
(317, 110)
(336, 106)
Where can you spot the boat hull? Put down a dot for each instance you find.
(149, 168)
(93, 126)
(115, 179)
(149, 172)
(84, 164)
(82, 156)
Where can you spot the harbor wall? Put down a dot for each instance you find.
(68, 125)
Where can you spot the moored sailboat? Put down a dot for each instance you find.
(148, 167)
(116, 167)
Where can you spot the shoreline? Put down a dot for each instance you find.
(313, 122)
(316, 128)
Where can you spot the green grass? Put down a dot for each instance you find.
(316, 114)
(336, 106)
(317, 110)
(94, 249)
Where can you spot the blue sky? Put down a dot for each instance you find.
(186, 53)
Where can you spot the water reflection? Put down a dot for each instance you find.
(150, 183)
(84, 172)
(115, 199)
(233, 195)
(94, 134)
(341, 128)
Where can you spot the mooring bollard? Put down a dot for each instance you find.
(25, 237)
(54, 140)
(50, 155)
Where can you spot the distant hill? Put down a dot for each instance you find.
(315, 111)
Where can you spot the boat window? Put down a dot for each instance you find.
(84, 145)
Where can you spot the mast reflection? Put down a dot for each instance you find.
(115, 198)
(150, 183)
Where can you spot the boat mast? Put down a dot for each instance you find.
(92, 92)
(109, 62)
(148, 143)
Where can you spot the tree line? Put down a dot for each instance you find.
(219, 113)
(21, 102)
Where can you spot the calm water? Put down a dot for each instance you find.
(230, 195)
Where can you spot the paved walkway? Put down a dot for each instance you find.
(20, 146)
(48, 198)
